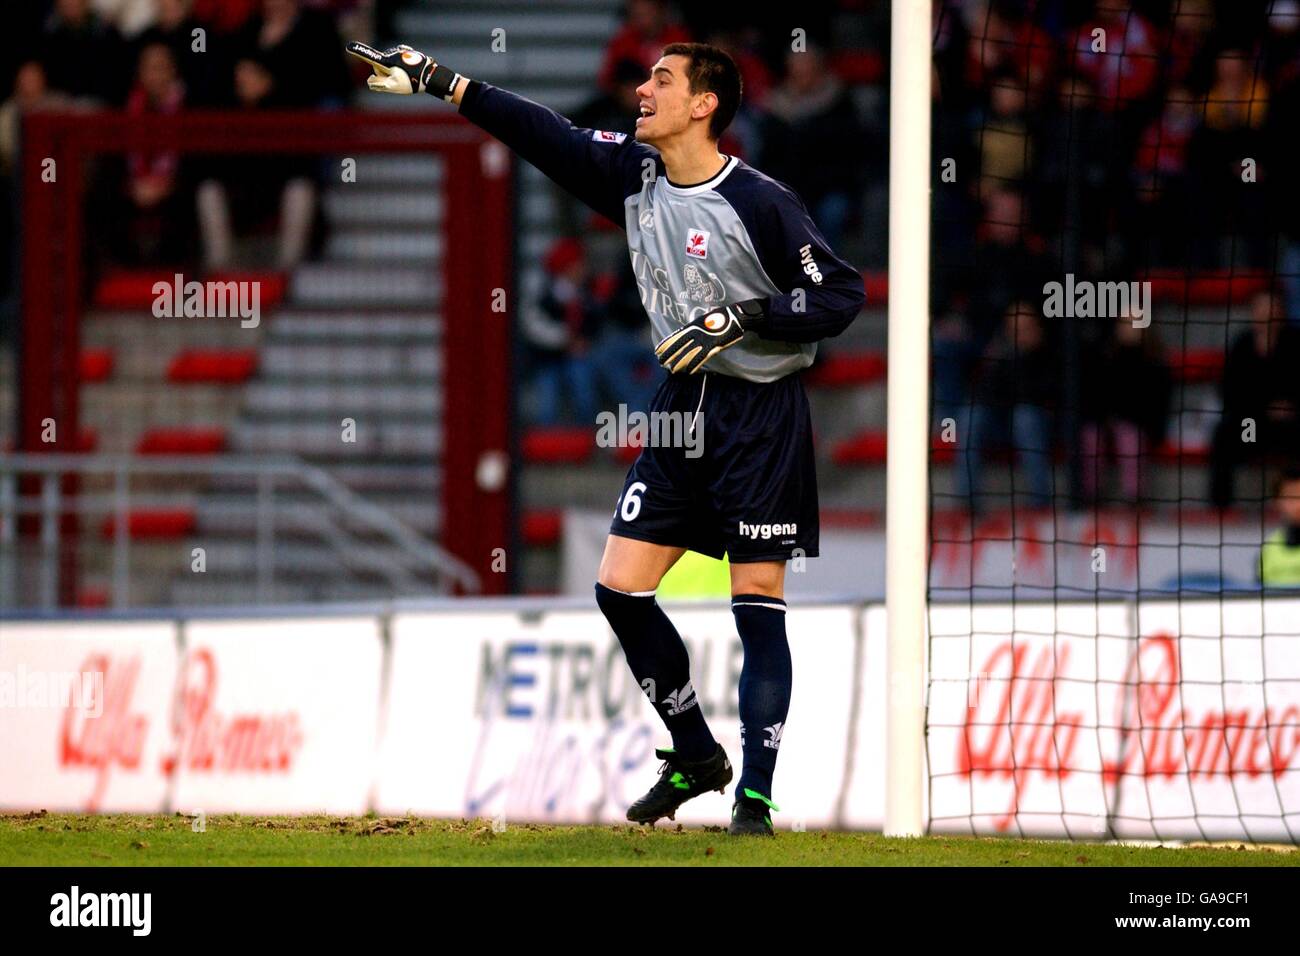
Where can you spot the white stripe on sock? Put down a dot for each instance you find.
(630, 593)
(774, 607)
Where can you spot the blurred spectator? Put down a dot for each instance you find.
(1281, 44)
(1238, 100)
(1003, 39)
(1233, 214)
(31, 94)
(1261, 397)
(1279, 557)
(811, 116)
(1126, 69)
(143, 200)
(614, 109)
(641, 39)
(225, 16)
(1125, 407)
(1190, 57)
(559, 331)
(623, 353)
(1006, 266)
(741, 43)
(1161, 164)
(302, 49)
(1083, 172)
(174, 27)
(253, 185)
(1006, 148)
(160, 219)
(129, 17)
(1014, 390)
(83, 54)
(744, 137)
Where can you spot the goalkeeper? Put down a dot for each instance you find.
(739, 286)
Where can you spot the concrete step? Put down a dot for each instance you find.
(448, 30)
(353, 325)
(384, 207)
(374, 436)
(338, 285)
(224, 516)
(396, 170)
(415, 479)
(296, 399)
(125, 331)
(374, 363)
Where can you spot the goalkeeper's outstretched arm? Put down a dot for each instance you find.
(598, 168)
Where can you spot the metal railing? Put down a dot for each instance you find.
(365, 539)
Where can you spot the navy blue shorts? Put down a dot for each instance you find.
(748, 487)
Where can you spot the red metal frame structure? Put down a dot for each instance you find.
(477, 516)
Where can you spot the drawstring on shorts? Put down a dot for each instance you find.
(704, 377)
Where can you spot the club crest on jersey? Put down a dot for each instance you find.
(605, 136)
(697, 243)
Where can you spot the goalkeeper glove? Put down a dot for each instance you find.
(404, 70)
(687, 349)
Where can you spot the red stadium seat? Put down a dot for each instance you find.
(95, 365)
(856, 519)
(153, 524)
(865, 448)
(877, 286)
(1215, 287)
(217, 366)
(130, 289)
(858, 67)
(182, 441)
(848, 368)
(92, 597)
(542, 529)
(1198, 366)
(557, 446)
(1171, 453)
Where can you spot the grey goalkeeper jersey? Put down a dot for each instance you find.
(737, 236)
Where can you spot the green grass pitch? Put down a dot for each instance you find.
(46, 839)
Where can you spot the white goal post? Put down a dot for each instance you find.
(907, 477)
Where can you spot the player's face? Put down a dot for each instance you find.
(665, 101)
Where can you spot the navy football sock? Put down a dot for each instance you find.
(764, 687)
(661, 665)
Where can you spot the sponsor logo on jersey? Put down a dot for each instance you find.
(809, 266)
(701, 286)
(697, 243)
(604, 136)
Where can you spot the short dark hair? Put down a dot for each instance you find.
(712, 70)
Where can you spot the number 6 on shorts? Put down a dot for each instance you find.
(631, 503)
